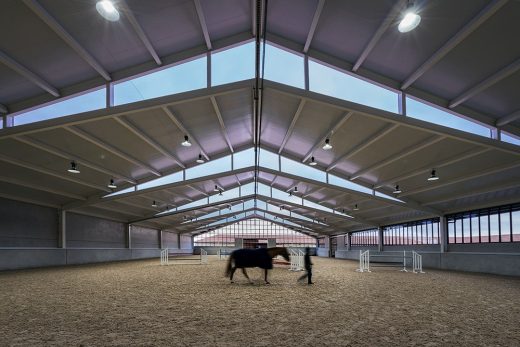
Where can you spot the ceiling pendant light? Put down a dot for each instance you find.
(107, 10)
(397, 190)
(312, 163)
(112, 185)
(433, 176)
(356, 208)
(73, 168)
(216, 189)
(296, 189)
(220, 192)
(327, 144)
(186, 142)
(154, 204)
(410, 19)
(200, 160)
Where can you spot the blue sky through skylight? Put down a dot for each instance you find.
(234, 64)
(510, 139)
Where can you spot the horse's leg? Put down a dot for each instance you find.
(245, 274)
(233, 269)
(265, 277)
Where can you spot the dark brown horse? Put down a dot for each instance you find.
(262, 258)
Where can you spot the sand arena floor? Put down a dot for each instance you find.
(143, 303)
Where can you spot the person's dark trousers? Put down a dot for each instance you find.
(307, 274)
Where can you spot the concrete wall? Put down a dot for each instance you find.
(170, 240)
(27, 225)
(145, 237)
(91, 232)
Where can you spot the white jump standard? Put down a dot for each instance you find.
(166, 258)
(389, 259)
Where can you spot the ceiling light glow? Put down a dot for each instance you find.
(107, 10)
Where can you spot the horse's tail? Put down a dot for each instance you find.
(228, 266)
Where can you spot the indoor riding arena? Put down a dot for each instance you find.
(259, 173)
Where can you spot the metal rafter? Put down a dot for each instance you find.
(28, 200)
(139, 133)
(111, 209)
(464, 178)
(86, 136)
(334, 129)
(181, 127)
(139, 31)
(25, 72)
(221, 121)
(36, 168)
(508, 119)
(314, 24)
(203, 25)
(197, 189)
(65, 155)
(385, 24)
(427, 168)
(406, 152)
(41, 188)
(375, 137)
(488, 11)
(291, 126)
(488, 82)
(144, 207)
(65, 36)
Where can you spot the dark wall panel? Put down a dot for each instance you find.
(145, 238)
(91, 232)
(27, 225)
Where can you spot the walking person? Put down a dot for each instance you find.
(308, 266)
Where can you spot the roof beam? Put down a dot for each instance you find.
(375, 137)
(293, 123)
(314, 24)
(489, 10)
(139, 133)
(31, 76)
(253, 17)
(65, 36)
(488, 82)
(41, 188)
(139, 31)
(474, 192)
(335, 128)
(197, 189)
(203, 25)
(50, 173)
(427, 168)
(404, 153)
(181, 127)
(221, 121)
(111, 209)
(62, 154)
(86, 136)
(464, 178)
(312, 192)
(144, 207)
(508, 119)
(30, 201)
(385, 24)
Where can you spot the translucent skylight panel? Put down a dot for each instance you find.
(244, 159)
(261, 204)
(249, 204)
(226, 195)
(175, 177)
(510, 139)
(90, 101)
(269, 160)
(234, 64)
(172, 80)
(316, 206)
(387, 196)
(280, 195)
(299, 169)
(284, 67)
(192, 204)
(247, 189)
(341, 182)
(328, 81)
(422, 111)
(209, 168)
(126, 190)
(264, 189)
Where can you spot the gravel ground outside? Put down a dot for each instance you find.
(143, 303)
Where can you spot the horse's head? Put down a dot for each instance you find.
(285, 254)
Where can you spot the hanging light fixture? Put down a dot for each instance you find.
(154, 204)
(112, 185)
(327, 144)
(433, 176)
(73, 168)
(410, 19)
(107, 10)
(397, 190)
(312, 162)
(356, 208)
(186, 142)
(200, 160)
(216, 189)
(220, 192)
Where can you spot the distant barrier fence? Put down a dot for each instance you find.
(389, 259)
(296, 259)
(223, 254)
(166, 258)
